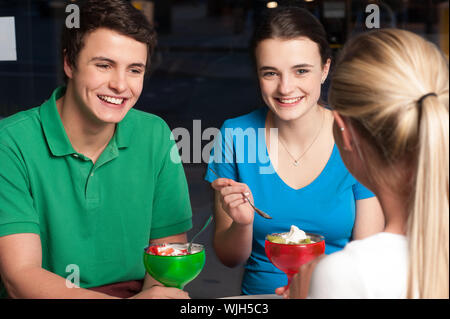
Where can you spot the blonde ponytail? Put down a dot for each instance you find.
(378, 82)
(428, 221)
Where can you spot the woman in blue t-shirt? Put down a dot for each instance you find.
(284, 158)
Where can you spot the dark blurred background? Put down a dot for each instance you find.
(201, 70)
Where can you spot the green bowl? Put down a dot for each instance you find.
(175, 271)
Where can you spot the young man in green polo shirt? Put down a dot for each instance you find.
(86, 182)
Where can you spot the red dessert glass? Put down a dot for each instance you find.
(289, 257)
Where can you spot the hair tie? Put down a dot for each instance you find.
(420, 101)
(424, 97)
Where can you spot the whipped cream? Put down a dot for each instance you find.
(294, 236)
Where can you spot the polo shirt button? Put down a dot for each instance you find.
(92, 174)
(75, 155)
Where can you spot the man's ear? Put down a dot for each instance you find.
(344, 130)
(68, 68)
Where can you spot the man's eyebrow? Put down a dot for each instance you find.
(265, 68)
(139, 65)
(103, 59)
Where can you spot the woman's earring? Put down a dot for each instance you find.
(342, 129)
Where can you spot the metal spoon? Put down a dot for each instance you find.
(260, 212)
(203, 228)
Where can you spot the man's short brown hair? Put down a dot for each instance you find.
(116, 15)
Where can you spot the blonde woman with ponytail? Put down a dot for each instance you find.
(390, 95)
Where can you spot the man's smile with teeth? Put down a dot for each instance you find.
(111, 99)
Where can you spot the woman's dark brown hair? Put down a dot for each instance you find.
(116, 15)
(290, 23)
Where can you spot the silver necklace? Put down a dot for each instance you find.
(296, 161)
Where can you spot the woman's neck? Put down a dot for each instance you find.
(395, 210)
(300, 131)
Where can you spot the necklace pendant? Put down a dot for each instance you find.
(295, 163)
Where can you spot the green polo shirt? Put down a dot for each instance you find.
(95, 218)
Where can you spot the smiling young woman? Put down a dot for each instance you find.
(309, 185)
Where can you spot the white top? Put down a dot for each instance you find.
(374, 267)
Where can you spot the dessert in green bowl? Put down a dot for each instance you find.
(172, 264)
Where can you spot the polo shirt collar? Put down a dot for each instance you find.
(56, 135)
(54, 131)
(124, 131)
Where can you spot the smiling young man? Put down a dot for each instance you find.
(86, 182)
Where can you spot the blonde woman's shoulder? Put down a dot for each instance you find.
(374, 267)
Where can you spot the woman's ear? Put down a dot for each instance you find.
(343, 130)
(68, 69)
(325, 70)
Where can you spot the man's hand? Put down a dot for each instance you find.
(160, 292)
(24, 277)
(299, 286)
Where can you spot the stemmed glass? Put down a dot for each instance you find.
(175, 271)
(289, 257)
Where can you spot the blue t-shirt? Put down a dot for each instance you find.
(326, 206)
